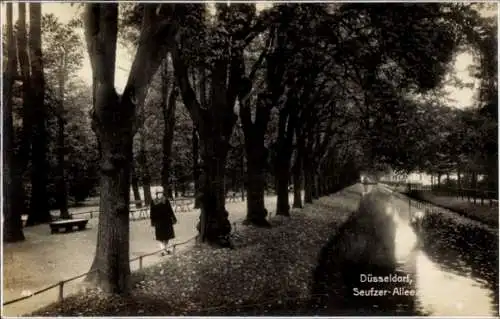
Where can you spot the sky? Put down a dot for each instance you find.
(64, 12)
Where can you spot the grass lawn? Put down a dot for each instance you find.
(483, 213)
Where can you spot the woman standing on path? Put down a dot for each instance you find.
(163, 220)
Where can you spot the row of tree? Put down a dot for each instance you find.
(46, 129)
(315, 93)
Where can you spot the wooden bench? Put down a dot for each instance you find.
(139, 213)
(182, 205)
(133, 203)
(68, 225)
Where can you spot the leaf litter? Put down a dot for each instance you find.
(269, 268)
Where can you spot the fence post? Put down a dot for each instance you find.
(61, 291)
(140, 262)
(173, 248)
(409, 207)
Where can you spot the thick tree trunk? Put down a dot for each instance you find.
(256, 179)
(62, 194)
(12, 228)
(257, 154)
(111, 269)
(135, 187)
(214, 225)
(196, 141)
(39, 207)
(113, 120)
(27, 111)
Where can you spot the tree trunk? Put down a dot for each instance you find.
(22, 158)
(135, 187)
(214, 225)
(195, 142)
(286, 129)
(143, 162)
(27, 111)
(112, 252)
(256, 179)
(62, 194)
(168, 108)
(196, 166)
(320, 185)
(215, 121)
(257, 154)
(308, 184)
(316, 189)
(113, 120)
(297, 182)
(282, 181)
(459, 178)
(13, 229)
(39, 207)
(242, 174)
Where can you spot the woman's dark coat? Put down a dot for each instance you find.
(163, 220)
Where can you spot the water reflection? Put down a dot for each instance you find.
(356, 272)
(442, 293)
(453, 270)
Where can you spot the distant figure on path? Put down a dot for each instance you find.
(163, 220)
(365, 185)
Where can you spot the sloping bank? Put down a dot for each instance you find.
(482, 213)
(269, 271)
